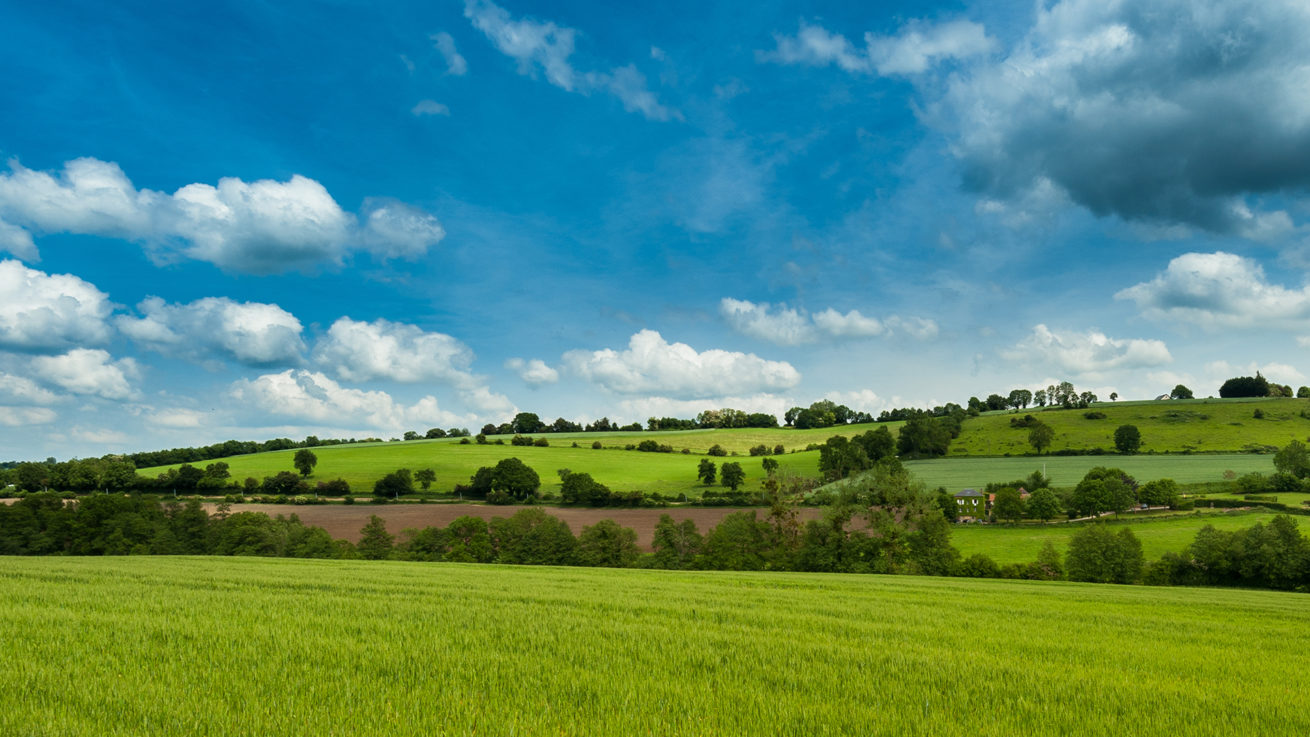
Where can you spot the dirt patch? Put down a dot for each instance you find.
(345, 521)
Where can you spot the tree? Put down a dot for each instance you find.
(1101, 556)
(770, 466)
(513, 479)
(1303, 392)
(435, 432)
(1245, 386)
(923, 436)
(1008, 505)
(732, 475)
(375, 543)
(1180, 392)
(1044, 505)
(304, 461)
(717, 451)
(1040, 398)
(1114, 397)
(1293, 459)
(425, 477)
(527, 422)
(581, 488)
(1127, 439)
(706, 471)
(1159, 493)
(675, 543)
(607, 544)
(400, 481)
(532, 537)
(1040, 436)
(1101, 490)
(1019, 398)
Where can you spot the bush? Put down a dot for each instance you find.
(541, 443)
(1094, 415)
(465, 441)
(759, 450)
(595, 445)
(1259, 414)
(778, 449)
(521, 440)
(716, 450)
(347, 499)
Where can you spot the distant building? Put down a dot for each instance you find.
(970, 503)
(1163, 398)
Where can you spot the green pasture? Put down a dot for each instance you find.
(1159, 535)
(621, 470)
(1199, 425)
(740, 440)
(962, 473)
(203, 646)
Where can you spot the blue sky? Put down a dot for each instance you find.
(253, 220)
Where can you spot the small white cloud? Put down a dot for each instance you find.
(429, 107)
(455, 64)
(1217, 290)
(640, 408)
(22, 390)
(915, 50)
(23, 416)
(650, 365)
(541, 47)
(99, 436)
(396, 230)
(90, 372)
(365, 351)
(788, 326)
(310, 396)
(18, 242)
(48, 312)
(534, 371)
(252, 333)
(1086, 354)
(177, 418)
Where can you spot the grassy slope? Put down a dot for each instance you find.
(1021, 543)
(1201, 425)
(960, 473)
(222, 646)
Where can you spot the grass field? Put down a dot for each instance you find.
(1021, 543)
(961, 473)
(1199, 425)
(621, 470)
(202, 646)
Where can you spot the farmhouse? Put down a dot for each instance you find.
(969, 504)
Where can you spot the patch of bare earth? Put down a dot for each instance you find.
(345, 521)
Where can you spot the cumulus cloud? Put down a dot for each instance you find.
(23, 416)
(363, 351)
(49, 312)
(258, 227)
(18, 242)
(252, 333)
(176, 418)
(1169, 112)
(1086, 353)
(640, 408)
(541, 47)
(311, 396)
(87, 371)
(534, 371)
(1220, 371)
(22, 390)
(651, 365)
(429, 107)
(789, 326)
(1218, 290)
(916, 49)
(455, 63)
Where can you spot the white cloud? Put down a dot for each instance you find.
(650, 365)
(257, 227)
(22, 390)
(455, 64)
(310, 396)
(16, 241)
(89, 371)
(46, 312)
(23, 416)
(534, 371)
(860, 400)
(1086, 354)
(177, 418)
(1220, 371)
(252, 333)
(396, 230)
(429, 107)
(915, 50)
(99, 436)
(1218, 290)
(789, 326)
(363, 351)
(639, 409)
(541, 47)
(488, 402)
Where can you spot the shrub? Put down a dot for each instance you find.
(759, 450)
(1094, 415)
(347, 499)
(716, 450)
(541, 443)
(596, 445)
(521, 440)
(778, 449)
(465, 441)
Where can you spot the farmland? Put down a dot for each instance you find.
(275, 647)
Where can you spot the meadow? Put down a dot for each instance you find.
(960, 473)
(1158, 534)
(196, 646)
(1196, 425)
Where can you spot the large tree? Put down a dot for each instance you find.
(732, 475)
(1008, 505)
(1293, 459)
(304, 461)
(1127, 439)
(706, 471)
(1180, 392)
(1040, 436)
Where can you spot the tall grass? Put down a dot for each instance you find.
(178, 646)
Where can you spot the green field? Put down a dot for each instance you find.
(1159, 535)
(203, 646)
(621, 470)
(960, 473)
(1199, 425)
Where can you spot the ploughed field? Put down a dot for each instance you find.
(202, 646)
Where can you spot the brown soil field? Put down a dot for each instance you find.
(345, 521)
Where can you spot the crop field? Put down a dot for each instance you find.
(961, 473)
(740, 440)
(202, 646)
(1199, 425)
(1159, 535)
(621, 470)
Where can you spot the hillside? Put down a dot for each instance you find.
(1196, 426)
(412, 648)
